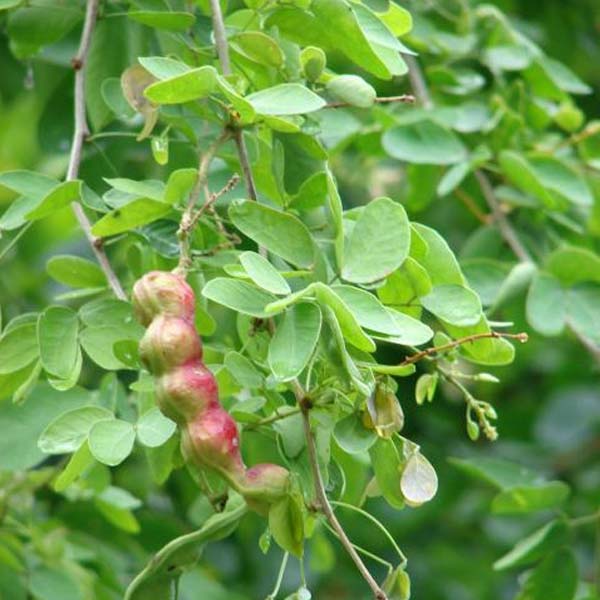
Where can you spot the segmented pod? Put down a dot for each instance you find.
(187, 392)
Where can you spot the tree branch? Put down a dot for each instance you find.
(522, 337)
(79, 136)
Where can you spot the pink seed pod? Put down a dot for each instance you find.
(264, 484)
(169, 342)
(212, 440)
(162, 293)
(185, 391)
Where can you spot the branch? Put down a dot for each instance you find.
(506, 230)
(188, 219)
(404, 98)
(522, 337)
(323, 501)
(79, 136)
(223, 54)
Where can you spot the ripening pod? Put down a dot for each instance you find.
(384, 413)
(185, 391)
(169, 342)
(211, 439)
(162, 293)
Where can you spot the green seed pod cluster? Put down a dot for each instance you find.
(187, 392)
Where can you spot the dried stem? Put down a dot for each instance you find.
(79, 137)
(404, 98)
(522, 337)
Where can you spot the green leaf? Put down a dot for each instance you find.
(111, 441)
(59, 197)
(334, 25)
(154, 429)
(285, 99)
(169, 21)
(526, 499)
(162, 67)
(149, 188)
(242, 369)
(28, 183)
(453, 177)
(555, 578)
(500, 473)
(18, 348)
(583, 303)
(191, 85)
(379, 242)
(546, 305)
(387, 465)
(294, 341)
(419, 482)
(53, 583)
(98, 343)
(264, 274)
(453, 304)
(563, 180)
(57, 331)
(78, 463)
(571, 265)
(68, 431)
(32, 27)
(424, 142)
(412, 331)
(347, 321)
(238, 295)
(368, 310)
(75, 271)
(353, 90)
(257, 47)
(542, 541)
(279, 232)
(132, 215)
(286, 523)
(21, 425)
(179, 185)
(352, 436)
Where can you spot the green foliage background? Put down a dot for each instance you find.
(548, 400)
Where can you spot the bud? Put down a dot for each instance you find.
(169, 342)
(264, 484)
(185, 391)
(384, 412)
(162, 293)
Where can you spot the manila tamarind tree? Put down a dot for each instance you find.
(267, 273)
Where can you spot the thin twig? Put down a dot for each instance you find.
(506, 230)
(79, 136)
(522, 337)
(188, 221)
(210, 199)
(404, 98)
(325, 506)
